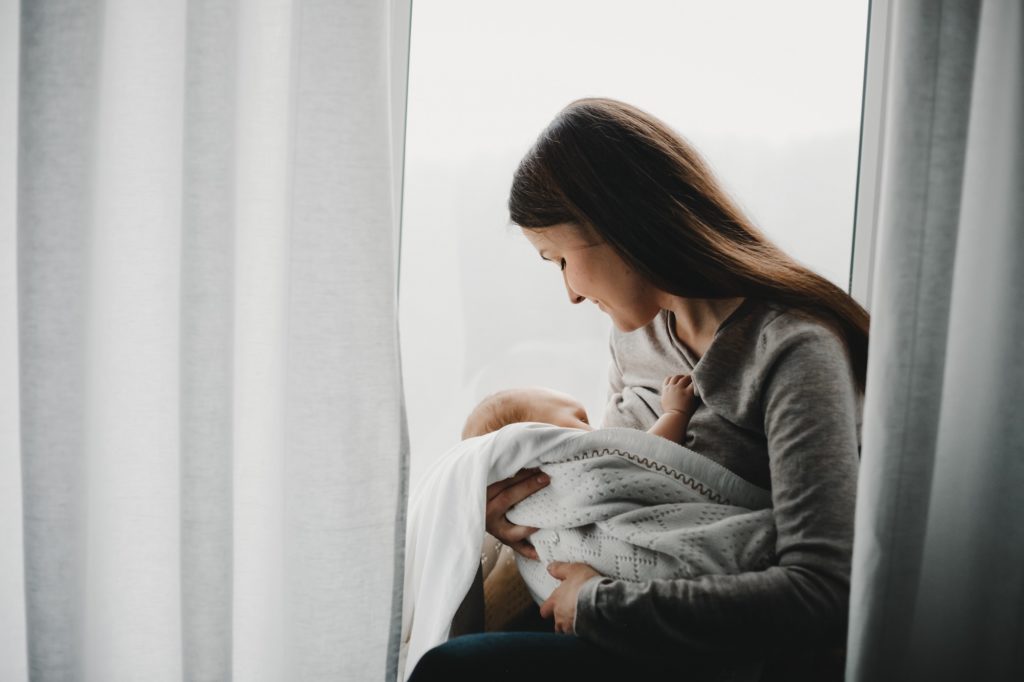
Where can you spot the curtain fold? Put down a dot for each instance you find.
(938, 566)
(213, 446)
(56, 117)
(207, 311)
(13, 663)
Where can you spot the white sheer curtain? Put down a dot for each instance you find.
(212, 452)
(938, 574)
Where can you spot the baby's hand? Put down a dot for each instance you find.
(677, 395)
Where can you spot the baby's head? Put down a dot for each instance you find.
(525, 405)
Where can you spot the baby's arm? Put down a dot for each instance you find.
(678, 403)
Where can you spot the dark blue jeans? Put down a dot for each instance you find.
(546, 656)
(518, 656)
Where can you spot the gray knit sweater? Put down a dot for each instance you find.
(780, 408)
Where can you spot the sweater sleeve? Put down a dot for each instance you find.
(809, 401)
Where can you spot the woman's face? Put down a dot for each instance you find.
(593, 271)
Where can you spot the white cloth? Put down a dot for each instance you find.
(633, 505)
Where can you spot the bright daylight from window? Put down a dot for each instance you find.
(770, 93)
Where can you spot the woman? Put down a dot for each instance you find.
(638, 225)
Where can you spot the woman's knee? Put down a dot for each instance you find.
(499, 656)
(460, 658)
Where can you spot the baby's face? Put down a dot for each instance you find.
(552, 407)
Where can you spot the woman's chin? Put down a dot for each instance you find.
(629, 325)
(624, 326)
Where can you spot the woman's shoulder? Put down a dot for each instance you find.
(752, 337)
(762, 329)
(764, 345)
(783, 327)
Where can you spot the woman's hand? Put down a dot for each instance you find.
(501, 496)
(562, 602)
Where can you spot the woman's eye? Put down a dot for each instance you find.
(562, 265)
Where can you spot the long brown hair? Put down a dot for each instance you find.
(616, 170)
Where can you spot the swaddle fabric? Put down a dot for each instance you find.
(632, 505)
(634, 513)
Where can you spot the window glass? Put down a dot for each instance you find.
(770, 93)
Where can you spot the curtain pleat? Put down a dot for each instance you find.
(970, 612)
(263, 196)
(938, 570)
(207, 339)
(213, 442)
(931, 57)
(132, 620)
(56, 117)
(343, 406)
(400, 19)
(13, 644)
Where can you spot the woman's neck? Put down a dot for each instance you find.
(697, 319)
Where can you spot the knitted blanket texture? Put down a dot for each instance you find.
(632, 505)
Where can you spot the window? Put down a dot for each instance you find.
(770, 93)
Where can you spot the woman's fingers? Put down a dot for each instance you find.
(517, 492)
(512, 535)
(526, 549)
(501, 497)
(518, 533)
(547, 609)
(498, 486)
(500, 527)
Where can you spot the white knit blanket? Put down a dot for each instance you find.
(632, 505)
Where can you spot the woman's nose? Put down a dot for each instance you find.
(573, 296)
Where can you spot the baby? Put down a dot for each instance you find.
(507, 604)
(678, 403)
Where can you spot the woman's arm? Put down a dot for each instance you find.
(809, 402)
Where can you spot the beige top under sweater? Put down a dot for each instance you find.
(780, 408)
